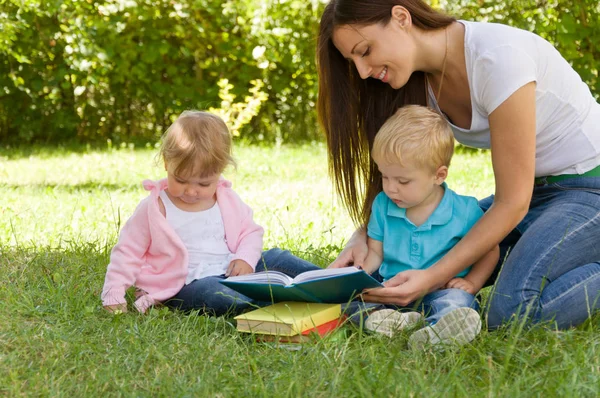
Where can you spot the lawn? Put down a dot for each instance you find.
(61, 213)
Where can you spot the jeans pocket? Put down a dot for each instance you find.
(589, 184)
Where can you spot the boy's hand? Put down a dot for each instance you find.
(238, 267)
(462, 284)
(116, 308)
(355, 252)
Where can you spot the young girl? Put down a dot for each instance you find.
(190, 232)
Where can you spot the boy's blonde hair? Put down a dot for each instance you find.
(417, 135)
(197, 143)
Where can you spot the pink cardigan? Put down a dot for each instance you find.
(151, 256)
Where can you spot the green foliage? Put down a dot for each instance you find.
(238, 114)
(573, 26)
(288, 34)
(123, 69)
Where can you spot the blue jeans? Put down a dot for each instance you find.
(552, 272)
(433, 305)
(213, 298)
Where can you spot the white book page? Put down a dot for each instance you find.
(323, 273)
(272, 277)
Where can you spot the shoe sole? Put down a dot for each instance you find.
(458, 327)
(389, 321)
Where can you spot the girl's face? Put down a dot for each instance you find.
(192, 193)
(379, 52)
(410, 187)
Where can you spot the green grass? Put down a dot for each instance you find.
(60, 215)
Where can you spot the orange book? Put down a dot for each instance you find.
(287, 318)
(308, 335)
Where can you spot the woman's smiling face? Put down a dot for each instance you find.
(384, 52)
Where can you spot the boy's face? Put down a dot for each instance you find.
(410, 187)
(192, 193)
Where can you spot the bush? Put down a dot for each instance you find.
(122, 69)
(573, 26)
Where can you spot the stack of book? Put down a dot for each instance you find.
(291, 322)
(304, 307)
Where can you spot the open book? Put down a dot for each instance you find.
(331, 285)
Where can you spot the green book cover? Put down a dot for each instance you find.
(331, 285)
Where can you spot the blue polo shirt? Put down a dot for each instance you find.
(406, 246)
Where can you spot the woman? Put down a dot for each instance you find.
(500, 88)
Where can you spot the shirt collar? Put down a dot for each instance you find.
(440, 216)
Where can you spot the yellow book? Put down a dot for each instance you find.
(287, 318)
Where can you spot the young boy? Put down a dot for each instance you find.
(415, 221)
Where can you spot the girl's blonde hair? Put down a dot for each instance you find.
(416, 135)
(197, 143)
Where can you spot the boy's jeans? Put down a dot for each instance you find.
(433, 305)
(552, 271)
(210, 296)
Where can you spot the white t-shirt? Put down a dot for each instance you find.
(500, 60)
(203, 235)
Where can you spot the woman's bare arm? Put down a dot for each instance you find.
(513, 129)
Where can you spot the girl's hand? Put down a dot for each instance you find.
(238, 267)
(403, 289)
(462, 284)
(116, 308)
(354, 253)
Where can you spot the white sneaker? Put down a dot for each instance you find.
(390, 321)
(458, 327)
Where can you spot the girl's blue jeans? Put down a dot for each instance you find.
(552, 272)
(213, 298)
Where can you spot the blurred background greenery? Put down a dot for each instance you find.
(119, 71)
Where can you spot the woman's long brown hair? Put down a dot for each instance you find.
(351, 110)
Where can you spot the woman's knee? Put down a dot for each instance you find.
(495, 315)
(502, 309)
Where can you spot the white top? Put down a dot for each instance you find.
(203, 235)
(500, 60)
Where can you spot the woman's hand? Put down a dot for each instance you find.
(354, 253)
(404, 288)
(238, 267)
